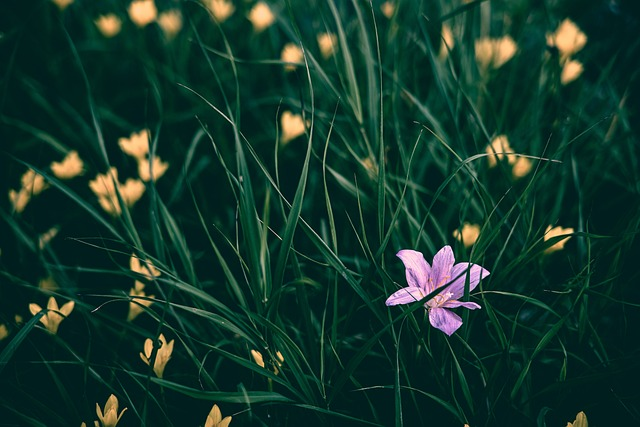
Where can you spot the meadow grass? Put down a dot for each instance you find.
(227, 228)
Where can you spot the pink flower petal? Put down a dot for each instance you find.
(441, 270)
(417, 268)
(455, 303)
(444, 320)
(405, 296)
(459, 274)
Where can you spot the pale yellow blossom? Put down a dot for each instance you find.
(550, 233)
(109, 25)
(468, 235)
(137, 145)
(70, 167)
(567, 38)
(19, 199)
(571, 70)
(145, 268)
(327, 43)
(104, 187)
(521, 167)
(139, 300)
(4, 331)
(33, 182)
(47, 236)
(388, 8)
(214, 419)
(62, 4)
(48, 284)
(54, 315)
(292, 126)
(104, 184)
(292, 55)
(494, 52)
(163, 354)
(158, 168)
(220, 9)
(142, 12)
(447, 42)
(109, 417)
(257, 357)
(580, 421)
(171, 23)
(261, 17)
(497, 150)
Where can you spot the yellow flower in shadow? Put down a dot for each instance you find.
(388, 8)
(163, 354)
(494, 52)
(257, 357)
(571, 70)
(567, 38)
(292, 56)
(498, 149)
(292, 126)
(145, 268)
(550, 233)
(109, 417)
(261, 17)
(221, 10)
(54, 315)
(19, 199)
(171, 23)
(214, 419)
(70, 167)
(47, 236)
(580, 421)
(62, 4)
(32, 184)
(327, 43)
(156, 168)
(4, 331)
(468, 235)
(48, 284)
(104, 187)
(137, 145)
(447, 42)
(109, 25)
(142, 12)
(139, 300)
(521, 167)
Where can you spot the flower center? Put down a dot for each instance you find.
(439, 299)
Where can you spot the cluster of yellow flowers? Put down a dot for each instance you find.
(139, 299)
(141, 13)
(137, 146)
(493, 53)
(109, 416)
(569, 40)
(499, 148)
(277, 363)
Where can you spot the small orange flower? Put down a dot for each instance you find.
(292, 55)
(142, 12)
(292, 126)
(220, 9)
(567, 38)
(327, 43)
(108, 25)
(494, 52)
(469, 234)
(261, 17)
(555, 232)
(163, 354)
(137, 145)
(54, 315)
(171, 23)
(571, 70)
(214, 419)
(70, 167)
(109, 417)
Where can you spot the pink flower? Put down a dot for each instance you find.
(424, 279)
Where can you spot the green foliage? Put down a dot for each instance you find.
(279, 237)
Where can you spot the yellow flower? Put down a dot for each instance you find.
(220, 9)
(163, 354)
(257, 357)
(214, 419)
(104, 186)
(62, 4)
(48, 284)
(497, 150)
(550, 233)
(388, 8)
(54, 315)
(580, 421)
(110, 416)
(137, 145)
(158, 168)
(261, 17)
(70, 167)
(292, 55)
(494, 52)
(19, 199)
(4, 331)
(571, 70)
(292, 126)
(469, 234)
(171, 23)
(521, 167)
(327, 43)
(142, 12)
(567, 38)
(108, 25)
(47, 236)
(147, 270)
(137, 304)
(447, 42)
(33, 182)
